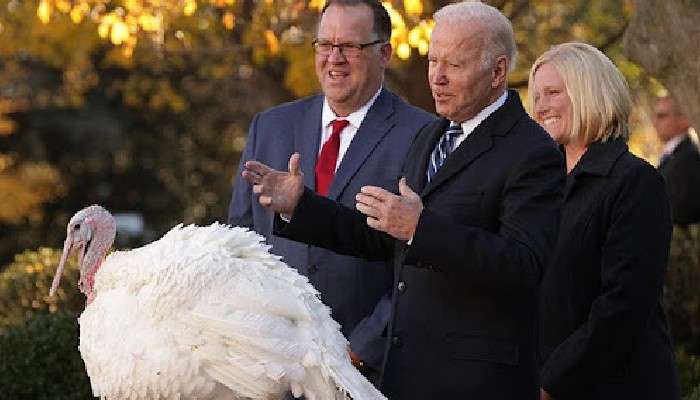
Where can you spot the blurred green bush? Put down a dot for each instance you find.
(40, 360)
(39, 357)
(682, 305)
(25, 283)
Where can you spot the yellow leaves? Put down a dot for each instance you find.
(317, 4)
(150, 23)
(25, 283)
(403, 39)
(403, 51)
(272, 42)
(229, 20)
(44, 12)
(189, 8)
(413, 7)
(24, 188)
(119, 33)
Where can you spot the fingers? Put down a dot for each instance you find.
(376, 192)
(368, 210)
(369, 205)
(406, 190)
(293, 166)
(257, 167)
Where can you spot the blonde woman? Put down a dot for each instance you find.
(603, 329)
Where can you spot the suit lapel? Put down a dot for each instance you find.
(422, 148)
(374, 127)
(308, 140)
(478, 142)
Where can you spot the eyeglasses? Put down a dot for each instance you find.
(346, 49)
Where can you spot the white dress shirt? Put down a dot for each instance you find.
(346, 135)
(469, 125)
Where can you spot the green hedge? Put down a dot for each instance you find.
(25, 283)
(40, 360)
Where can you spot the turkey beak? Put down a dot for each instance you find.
(67, 247)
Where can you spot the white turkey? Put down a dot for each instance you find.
(202, 313)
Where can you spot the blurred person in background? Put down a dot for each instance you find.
(605, 335)
(679, 162)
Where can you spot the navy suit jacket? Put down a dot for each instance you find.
(357, 291)
(464, 306)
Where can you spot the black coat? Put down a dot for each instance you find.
(604, 331)
(463, 322)
(681, 172)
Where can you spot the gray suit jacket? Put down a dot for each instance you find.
(357, 291)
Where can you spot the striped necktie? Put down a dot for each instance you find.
(443, 148)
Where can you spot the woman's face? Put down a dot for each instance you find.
(552, 108)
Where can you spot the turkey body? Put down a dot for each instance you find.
(209, 313)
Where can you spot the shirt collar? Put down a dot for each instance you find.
(355, 118)
(671, 145)
(469, 125)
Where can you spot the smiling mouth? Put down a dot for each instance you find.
(337, 74)
(550, 120)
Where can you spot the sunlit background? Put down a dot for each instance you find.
(143, 106)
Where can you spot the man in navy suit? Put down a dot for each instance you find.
(470, 231)
(374, 131)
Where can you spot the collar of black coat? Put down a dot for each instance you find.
(600, 157)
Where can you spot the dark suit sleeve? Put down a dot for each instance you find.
(514, 256)
(240, 210)
(368, 339)
(324, 223)
(635, 252)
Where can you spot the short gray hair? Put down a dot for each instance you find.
(499, 38)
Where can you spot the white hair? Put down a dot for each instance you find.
(500, 39)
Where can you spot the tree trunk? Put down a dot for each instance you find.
(664, 37)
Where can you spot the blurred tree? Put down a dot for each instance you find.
(663, 37)
(152, 118)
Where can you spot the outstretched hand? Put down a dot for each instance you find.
(396, 215)
(278, 190)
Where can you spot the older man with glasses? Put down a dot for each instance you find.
(356, 133)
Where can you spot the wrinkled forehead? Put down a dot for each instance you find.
(461, 37)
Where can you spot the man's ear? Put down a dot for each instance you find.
(385, 52)
(499, 74)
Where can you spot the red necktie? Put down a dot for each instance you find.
(325, 167)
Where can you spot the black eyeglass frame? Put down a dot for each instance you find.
(343, 46)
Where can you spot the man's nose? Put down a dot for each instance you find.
(336, 55)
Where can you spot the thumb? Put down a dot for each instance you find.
(404, 189)
(293, 166)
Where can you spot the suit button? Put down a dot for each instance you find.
(401, 286)
(312, 269)
(396, 341)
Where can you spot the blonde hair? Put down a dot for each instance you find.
(499, 38)
(600, 99)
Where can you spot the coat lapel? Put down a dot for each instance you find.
(421, 150)
(374, 127)
(478, 142)
(308, 140)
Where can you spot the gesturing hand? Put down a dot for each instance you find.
(387, 212)
(277, 190)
